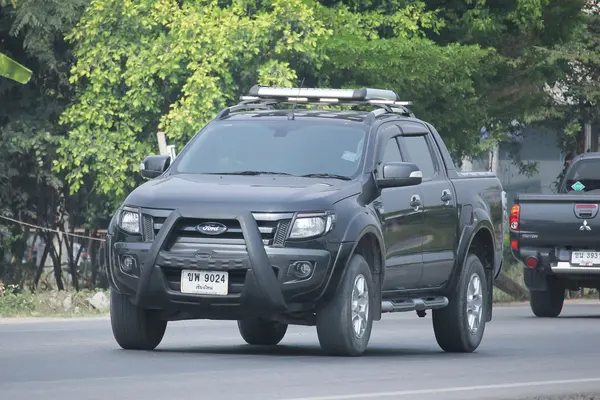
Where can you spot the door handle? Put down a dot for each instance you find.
(446, 196)
(415, 202)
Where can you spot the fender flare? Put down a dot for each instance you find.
(479, 220)
(362, 224)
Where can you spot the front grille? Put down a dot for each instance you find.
(282, 232)
(273, 230)
(148, 232)
(185, 231)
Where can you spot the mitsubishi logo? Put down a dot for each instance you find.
(585, 226)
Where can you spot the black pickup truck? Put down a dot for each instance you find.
(273, 216)
(557, 236)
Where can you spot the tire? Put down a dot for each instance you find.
(133, 327)
(451, 326)
(335, 319)
(261, 333)
(547, 303)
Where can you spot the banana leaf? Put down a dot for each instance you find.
(11, 69)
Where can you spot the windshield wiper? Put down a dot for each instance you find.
(323, 175)
(250, 173)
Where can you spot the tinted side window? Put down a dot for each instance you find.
(392, 152)
(420, 154)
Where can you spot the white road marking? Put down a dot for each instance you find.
(516, 385)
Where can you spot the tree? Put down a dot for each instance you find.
(169, 65)
(32, 31)
(575, 96)
(519, 70)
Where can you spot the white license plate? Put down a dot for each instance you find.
(204, 282)
(586, 258)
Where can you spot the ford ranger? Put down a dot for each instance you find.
(273, 216)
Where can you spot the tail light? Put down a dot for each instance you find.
(515, 214)
(531, 262)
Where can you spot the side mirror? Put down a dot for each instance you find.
(154, 166)
(399, 174)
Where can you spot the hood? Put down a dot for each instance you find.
(244, 193)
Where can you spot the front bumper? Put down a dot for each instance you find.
(259, 280)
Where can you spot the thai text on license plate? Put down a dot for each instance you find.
(585, 257)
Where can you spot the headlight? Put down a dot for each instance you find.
(311, 225)
(129, 220)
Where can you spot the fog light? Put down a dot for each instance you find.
(128, 264)
(301, 269)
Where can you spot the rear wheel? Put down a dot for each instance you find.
(459, 326)
(548, 303)
(344, 324)
(134, 328)
(261, 333)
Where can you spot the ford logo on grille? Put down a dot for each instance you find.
(211, 228)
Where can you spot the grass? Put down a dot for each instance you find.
(48, 304)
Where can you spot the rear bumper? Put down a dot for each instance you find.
(259, 279)
(564, 267)
(549, 264)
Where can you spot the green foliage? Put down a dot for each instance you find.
(11, 69)
(158, 65)
(438, 79)
(155, 65)
(32, 32)
(575, 93)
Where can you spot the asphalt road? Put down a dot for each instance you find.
(520, 357)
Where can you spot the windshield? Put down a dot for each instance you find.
(584, 176)
(299, 147)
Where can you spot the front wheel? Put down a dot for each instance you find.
(459, 326)
(344, 324)
(134, 328)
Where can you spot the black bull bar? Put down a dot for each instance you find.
(261, 290)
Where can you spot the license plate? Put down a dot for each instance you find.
(204, 282)
(586, 258)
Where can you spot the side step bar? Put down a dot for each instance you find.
(418, 305)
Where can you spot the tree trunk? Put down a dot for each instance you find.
(57, 263)
(93, 254)
(72, 261)
(511, 287)
(40, 267)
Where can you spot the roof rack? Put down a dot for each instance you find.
(264, 97)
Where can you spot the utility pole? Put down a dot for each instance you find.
(162, 143)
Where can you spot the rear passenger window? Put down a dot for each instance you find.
(419, 152)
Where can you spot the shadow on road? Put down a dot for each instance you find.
(306, 351)
(584, 316)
